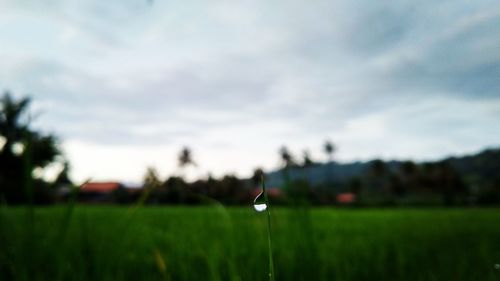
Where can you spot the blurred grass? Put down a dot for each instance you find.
(215, 243)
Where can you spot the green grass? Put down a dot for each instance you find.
(214, 243)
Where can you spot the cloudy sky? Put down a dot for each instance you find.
(126, 84)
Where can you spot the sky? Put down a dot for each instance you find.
(125, 84)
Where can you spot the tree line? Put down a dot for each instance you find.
(25, 152)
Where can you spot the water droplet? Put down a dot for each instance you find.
(260, 207)
(259, 204)
(497, 266)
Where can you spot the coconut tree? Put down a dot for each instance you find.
(288, 161)
(185, 158)
(307, 160)
(257, 176)
(329, 149)
(286, 157)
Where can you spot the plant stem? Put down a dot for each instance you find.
(269, 236)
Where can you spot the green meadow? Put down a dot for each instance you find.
(217, 243)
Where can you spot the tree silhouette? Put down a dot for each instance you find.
(12, 128)
(257, 176)
(288, 162)
(63, 178)
(151, 179)
(378, 168)
(185, 158)
(307, 161)
(23, 151)
(409, 172)
(329, 149)
(378, 174)
(286, 157)
(448, 182)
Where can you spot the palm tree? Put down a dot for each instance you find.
(185, 158)
(329, 149)
(288, 162)
(307, 161)
(286, 157)
(257, 176)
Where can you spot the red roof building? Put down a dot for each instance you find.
(346, 198)
(100, 192)
(100, 187)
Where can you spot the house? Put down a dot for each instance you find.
(100, 192)
(346, 198)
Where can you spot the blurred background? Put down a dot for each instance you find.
(363, 118)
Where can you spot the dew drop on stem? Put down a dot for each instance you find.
(259, 204)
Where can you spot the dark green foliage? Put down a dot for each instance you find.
(16, 181)
(468, 180)
(228, 190)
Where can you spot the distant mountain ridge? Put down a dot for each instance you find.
(478, 168)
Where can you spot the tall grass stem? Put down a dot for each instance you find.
(269, 232)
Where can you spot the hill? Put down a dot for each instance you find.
(478, 170)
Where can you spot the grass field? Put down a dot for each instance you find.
(215, 243)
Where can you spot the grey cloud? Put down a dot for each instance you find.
(90, 107)
(332, 62)
(451, 47)
(462, 65)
